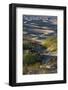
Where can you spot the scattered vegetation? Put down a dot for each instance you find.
(32, 63)
(30, 58)
(50, 43)
(27, 45)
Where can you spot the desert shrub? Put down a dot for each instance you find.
(27, 45)
(30, 58)
(50, 43)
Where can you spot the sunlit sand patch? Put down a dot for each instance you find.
(43, 31)
(32, 25)
(53, 21)
(25, 22)
(35, 38)
(33, 35)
